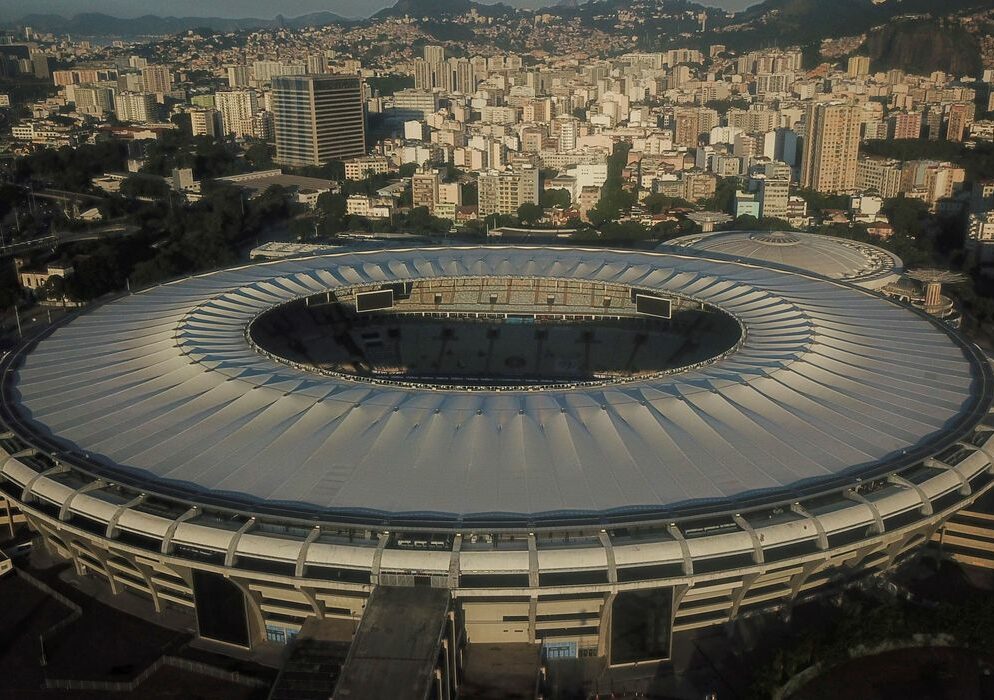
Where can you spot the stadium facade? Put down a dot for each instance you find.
(170, 444)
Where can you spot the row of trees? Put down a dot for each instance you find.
(173, 241)
(863, 622)
(615, 199)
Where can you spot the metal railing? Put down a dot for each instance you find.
(197, 667)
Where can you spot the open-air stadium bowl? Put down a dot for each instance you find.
(829, 425)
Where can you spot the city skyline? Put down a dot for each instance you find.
(258, 9)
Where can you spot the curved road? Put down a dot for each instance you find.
(60, 237)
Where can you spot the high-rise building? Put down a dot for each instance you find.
(434, 54)
(698, 185)
(204, 122)
(931, 180)
(39, 65)
(906, 125)
(238, 76)
(568, 130)
(424, 78)
(757, 118)
(503, 191)
(266, 71)
(934, 119)
(463, 76)
(91, 99)
(858, 66)
(134, 106)
(774, 196)
(264, 126)
(414, 104)
(781, 145)
(317, 64)
(958, 121)
(691, 123)
(831, 147)
(880, 175)
(980, 235)
(237, 108)
(318, 119)
(365, 166)
(424, 189)
(769, 84)
(157, 79)
(982, 196)
(130, 82)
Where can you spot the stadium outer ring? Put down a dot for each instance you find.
(856, 532)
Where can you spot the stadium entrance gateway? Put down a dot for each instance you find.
(222, 615)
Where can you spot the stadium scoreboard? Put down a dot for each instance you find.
(650, 305)
(366, 302)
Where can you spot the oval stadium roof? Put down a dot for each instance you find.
(829, 256)
(163, 388)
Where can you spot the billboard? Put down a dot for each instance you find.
(653, 306)
(373, 301)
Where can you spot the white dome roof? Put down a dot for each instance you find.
(163, 387)
(836, 258)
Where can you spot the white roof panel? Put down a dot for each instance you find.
(828, 379)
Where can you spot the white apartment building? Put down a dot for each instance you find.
(135, 106)
(503, 191)
(237, 108)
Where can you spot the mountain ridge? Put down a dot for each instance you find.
(99, 24)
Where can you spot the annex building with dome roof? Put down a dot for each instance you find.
(829, 256)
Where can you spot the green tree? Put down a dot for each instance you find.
(10, 287)
(144, 186)
(819, 202)
(529, 213)
(624, 231)
(332, 208)
(555, 198)
(906, 215)
(259, 155)
(615, 199)
(658, 203)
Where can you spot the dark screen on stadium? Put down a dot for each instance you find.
(373, 301)
(653, 306)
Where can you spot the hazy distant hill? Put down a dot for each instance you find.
(804, 21)
(94, 24)
(441, 8)
(922, 46)
(912, 34)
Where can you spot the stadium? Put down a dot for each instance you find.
(584, 449)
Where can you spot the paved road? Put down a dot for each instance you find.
(61, 237)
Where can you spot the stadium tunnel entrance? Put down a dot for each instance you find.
(488, 332)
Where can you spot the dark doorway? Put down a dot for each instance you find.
(641, 625)
(221, 613)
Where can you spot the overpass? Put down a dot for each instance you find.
(57, 238)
